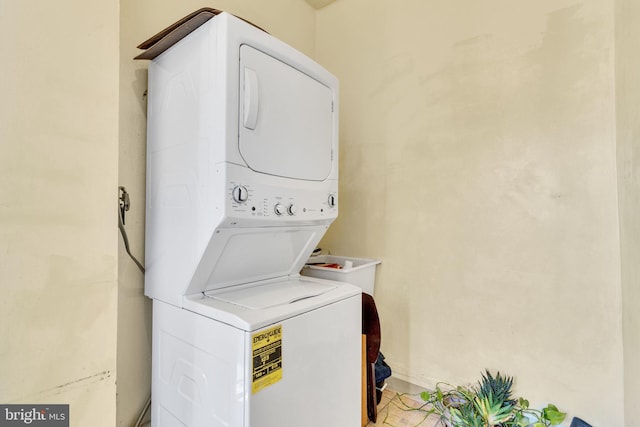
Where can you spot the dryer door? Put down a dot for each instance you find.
(286, 119)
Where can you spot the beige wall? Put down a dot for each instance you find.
(478, 161)
(58, 189)
(628, 134)
(292, 21)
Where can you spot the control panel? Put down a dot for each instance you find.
(260, 201)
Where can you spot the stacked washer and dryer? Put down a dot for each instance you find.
(242, 183)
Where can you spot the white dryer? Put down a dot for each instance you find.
(242, 182)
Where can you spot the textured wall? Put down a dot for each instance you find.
(292, 21)
(478, 161)
(628, 134)
(58, 178)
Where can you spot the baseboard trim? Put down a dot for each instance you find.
(402, 386)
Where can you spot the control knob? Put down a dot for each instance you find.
(240, 194)
(332, 201)
(292, 209)
(278, 209)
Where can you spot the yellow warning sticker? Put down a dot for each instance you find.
(267, 358)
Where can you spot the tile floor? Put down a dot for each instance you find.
(398, 410)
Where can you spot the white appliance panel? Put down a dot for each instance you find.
(198, 370)
(321, 368)
(286, 119)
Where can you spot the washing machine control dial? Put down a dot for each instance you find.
(240, 194)
(332, 201)
(292, 209)
(278, 209)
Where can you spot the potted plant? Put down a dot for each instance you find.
(489, 403)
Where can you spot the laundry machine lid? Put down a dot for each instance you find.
(236, 256)
(270, 304)
(273, 294)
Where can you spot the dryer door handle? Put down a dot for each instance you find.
(251, 98)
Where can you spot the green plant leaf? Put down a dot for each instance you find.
(425, 395)
(498, 386)
(553, 414)
(521, 420)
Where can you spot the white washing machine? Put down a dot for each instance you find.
(242, 182)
